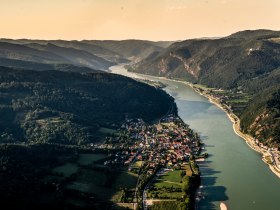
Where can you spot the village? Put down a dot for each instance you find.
(148, 150)
(170, 143)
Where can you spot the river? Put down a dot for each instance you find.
(233, 173)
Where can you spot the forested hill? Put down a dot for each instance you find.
(223, 63)
(73, 55)
(71, 108)
(246, 62)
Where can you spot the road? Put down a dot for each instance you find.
(145, 191)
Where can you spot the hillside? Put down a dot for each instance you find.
(131, 49)
(51, 54)
(246, 62)
(71, 108)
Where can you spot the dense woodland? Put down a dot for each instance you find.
(70, 108)
(27, 165)
(44, 111)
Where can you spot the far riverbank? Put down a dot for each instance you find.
(237, 129)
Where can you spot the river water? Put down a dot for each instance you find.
(233, 173)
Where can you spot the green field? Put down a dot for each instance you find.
(126, 179)
(106, 130)
(188, 170)
(165, 205)
(86, 159)
(97, 180)
(167, 186)
(201, 86)
(137, 164)
(171, 178)
(67, 169)
(94, 182)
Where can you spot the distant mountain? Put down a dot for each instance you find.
(21, 52)
(247, 61)
(70, 108)
(91, 54)
(28, 65)
(51, 54)
(218, 63)
(131, 49)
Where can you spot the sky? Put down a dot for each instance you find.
(134, 19)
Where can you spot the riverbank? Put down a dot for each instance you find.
(227, 154)
(237, 129)
(236, 124)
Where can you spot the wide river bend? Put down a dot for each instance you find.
(233, 173)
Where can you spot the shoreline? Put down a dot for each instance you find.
(232, 117)
(235, 123)
(236, 128)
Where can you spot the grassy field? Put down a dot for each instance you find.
(122, 206)
(126, 179)
(67, 169)
(268, 159)
(91, 181)
(171, 178)
(201, 86)
(137, 164)
(167, 186)
(188, 170)
(106, 130)
(86, 159)
(97, 181)
(165, 205)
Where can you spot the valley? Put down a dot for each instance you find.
(231, 165)
(243, 66)
(102, 139)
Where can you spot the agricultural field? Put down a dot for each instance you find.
(203, 87)
(106, 130)
(66, 170)
(125, 185)
(86, 159)
(237, 101)
(188, 170)
(91, 181)
(165, 205)
(172, 177)
(167, 186)
(126, 180)
(137, 164)
(87, 175)
(136, 167)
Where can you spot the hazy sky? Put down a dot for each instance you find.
(134, 19)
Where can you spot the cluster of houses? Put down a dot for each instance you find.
(169, 143)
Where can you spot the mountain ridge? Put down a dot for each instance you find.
(246, 61)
